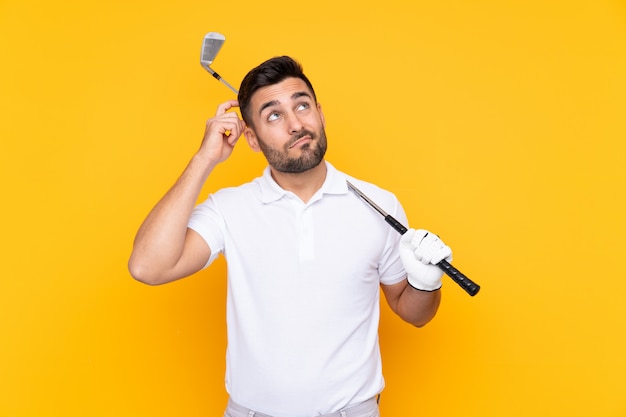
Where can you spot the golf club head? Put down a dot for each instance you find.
(211, 45)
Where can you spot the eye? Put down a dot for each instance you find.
(303, 106)
(273, 116)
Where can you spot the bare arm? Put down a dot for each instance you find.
(165, 249)
(413, 306)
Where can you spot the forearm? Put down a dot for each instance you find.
(160, 241)
(417, 307)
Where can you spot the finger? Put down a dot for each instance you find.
(232, 140)
(235, 126)
(425, 249)
(234, 132)
(221, 127)
(224, 107)
(418, 237)
(227, 123)
(407, 237)
(443, 252)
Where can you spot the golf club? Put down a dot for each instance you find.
(464, 282)
(211, 45)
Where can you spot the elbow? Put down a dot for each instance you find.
(142, 273)
(421, 318)
(424, 318)
(420, 324)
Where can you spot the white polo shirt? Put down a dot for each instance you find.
(303, 291)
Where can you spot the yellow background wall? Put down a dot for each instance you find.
(499, 125)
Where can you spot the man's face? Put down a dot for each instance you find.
(287, 126)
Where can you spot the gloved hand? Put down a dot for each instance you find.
(420, 251)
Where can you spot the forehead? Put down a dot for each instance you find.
(280, 93)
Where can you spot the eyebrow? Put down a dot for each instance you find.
(294, 96)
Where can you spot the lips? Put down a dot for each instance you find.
(301, 138)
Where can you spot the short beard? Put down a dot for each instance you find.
(310, 158)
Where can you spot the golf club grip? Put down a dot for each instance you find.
(396, 224)
(457, 276)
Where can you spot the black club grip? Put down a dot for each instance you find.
(457, 276)
(396, 224)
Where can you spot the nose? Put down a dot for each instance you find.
(295, 124)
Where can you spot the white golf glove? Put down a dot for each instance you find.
(420, 251)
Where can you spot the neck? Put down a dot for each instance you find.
(304, 184)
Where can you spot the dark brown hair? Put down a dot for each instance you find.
(270, 72)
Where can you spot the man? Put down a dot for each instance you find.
(306, 257)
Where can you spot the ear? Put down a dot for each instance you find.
(252, 139)
(319, 109)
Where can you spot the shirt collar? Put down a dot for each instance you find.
(335, 183)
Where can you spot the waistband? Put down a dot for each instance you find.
(350, 411)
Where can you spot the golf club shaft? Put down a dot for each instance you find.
(223, 81)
